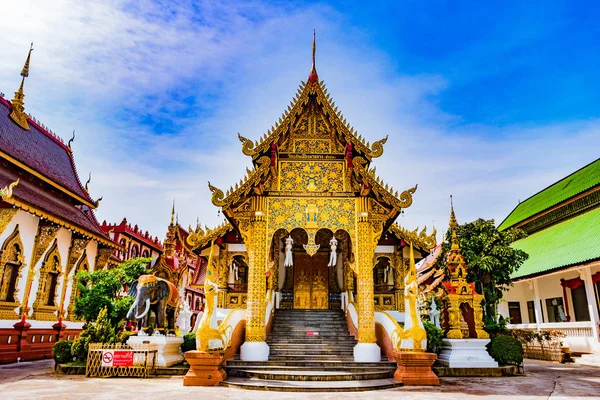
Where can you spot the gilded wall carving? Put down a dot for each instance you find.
(312, 146)
(78, 245)
(290, 213)
(45, 235)
(368, 236)
(311, 176)
(6, 215)
(254, 234)
(45, 304)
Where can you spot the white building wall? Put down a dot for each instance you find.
(28, 224)
(582, 336)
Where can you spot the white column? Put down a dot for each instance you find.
(537, 306)
(591, 299)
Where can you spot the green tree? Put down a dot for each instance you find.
(490, 260)
(105, 288)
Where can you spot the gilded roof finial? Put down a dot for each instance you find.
(453, 226)
(18, 112)
(313, 71)
(173, 213)
(453, 223)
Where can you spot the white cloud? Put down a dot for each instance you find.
(101, 68)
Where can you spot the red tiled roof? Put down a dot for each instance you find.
(31, 192)
(200, 273)
(40, 151)
(125, 228)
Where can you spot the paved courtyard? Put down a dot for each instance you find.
(543, 380)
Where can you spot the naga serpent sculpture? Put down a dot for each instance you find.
(207, 332)
(414, 334)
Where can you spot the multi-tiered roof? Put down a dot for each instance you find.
(313, 126)
(49, 185)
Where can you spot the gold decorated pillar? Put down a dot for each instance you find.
(254, 232)
(223, 275)
(368, 235)
(399, 269)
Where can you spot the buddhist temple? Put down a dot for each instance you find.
(48, 233)
(312, 227)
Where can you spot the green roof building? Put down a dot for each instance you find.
(558, 286)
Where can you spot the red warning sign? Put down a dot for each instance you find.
(117, 358)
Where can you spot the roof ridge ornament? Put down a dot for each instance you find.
(173, 213)
(313, 76)
(88, 182)
(7, 191)
(453, 227)
(71, 140)
(18, 114)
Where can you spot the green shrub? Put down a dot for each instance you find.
(434, 337)
(506, 349)
(62, 351)
(99, 331)
(189, 342)
(80, 346)
(495, 327)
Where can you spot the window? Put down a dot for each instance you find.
(8, 279)
(123, 244)
(11, 263)
(53, 277)
(531, 312)
(134, 252)
(580, 303)
(514, 312)
(46, 304)
(555, 310)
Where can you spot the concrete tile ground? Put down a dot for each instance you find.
(543, 380)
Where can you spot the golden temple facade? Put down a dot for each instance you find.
(312, 192)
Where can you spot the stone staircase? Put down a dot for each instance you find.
(310, 350)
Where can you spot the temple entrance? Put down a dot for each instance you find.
(310, 282)
(311, 286)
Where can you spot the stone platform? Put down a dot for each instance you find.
(169, 352)
(466, 353)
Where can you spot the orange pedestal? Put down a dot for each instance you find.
(206, 369)
(414, 369)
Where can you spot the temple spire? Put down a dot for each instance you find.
(453, 227)
(18, 112)
(313, 71)
(169, 243)
(173, 213)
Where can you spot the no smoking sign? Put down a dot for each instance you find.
(107, 358)
(117, 358)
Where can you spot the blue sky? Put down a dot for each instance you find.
(490, 101)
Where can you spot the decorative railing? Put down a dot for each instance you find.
(117, 359)
(392, 328)
(582, 329)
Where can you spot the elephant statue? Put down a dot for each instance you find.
(158, 295)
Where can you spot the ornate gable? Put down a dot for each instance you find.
(311, 152)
